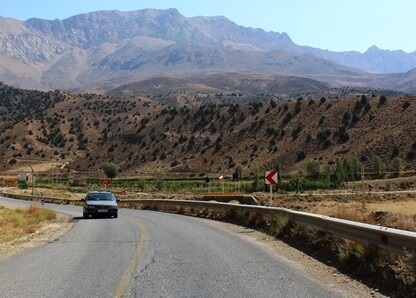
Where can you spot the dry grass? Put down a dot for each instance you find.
(15, 223)
(400, 213)
(407, 207)
(47, 192)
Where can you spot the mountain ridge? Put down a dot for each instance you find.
(74, 53)
(79, 132)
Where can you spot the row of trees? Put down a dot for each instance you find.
(318, 176)
(315, 176)
(352, 169)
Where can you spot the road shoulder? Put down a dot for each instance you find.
(49, 232)
(324, 274)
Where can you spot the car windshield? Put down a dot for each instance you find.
(100, 197)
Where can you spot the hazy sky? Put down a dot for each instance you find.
(337, 25)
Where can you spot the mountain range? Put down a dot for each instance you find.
(101, 51)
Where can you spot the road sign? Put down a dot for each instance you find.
(105, 181)
(271, 177)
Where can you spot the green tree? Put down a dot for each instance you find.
(378, 167)
(256, 179)
(313, 169)
(141, 183)
(110, 169)
(340, 172)
(239, 171)
(354, 168)
(159, 181)
(397, 166)
(297, 181)
(326, 173)
(276, 166)
(346, 166)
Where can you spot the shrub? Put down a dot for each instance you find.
(358, 106)
(382, 100)
(131, 138)
(405, 105)
(346, 118)
(313, 169)
(364, 100)
(175, 163)
(323, 135)
(298, 107)
(343, 135)
(296, 132)
(321, 120)
(287, 119)
(300, 156)
(110, 169)
(397, 166)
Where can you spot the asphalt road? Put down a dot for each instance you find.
(150, 254)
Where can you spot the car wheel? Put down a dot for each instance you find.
(85, 215)
(116, 215)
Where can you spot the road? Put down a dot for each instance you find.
(150, 254)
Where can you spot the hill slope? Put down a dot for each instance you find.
(144, 137)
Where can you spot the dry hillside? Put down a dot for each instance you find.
(77, 133)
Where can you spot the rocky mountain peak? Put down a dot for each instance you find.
(93, 45)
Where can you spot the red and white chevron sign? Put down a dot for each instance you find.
(271, 177)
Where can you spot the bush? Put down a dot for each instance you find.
(313, 169)
(300, 156)
(321, 120)
(110, 170)
(287, 119)
(382, 100)
(397, 166)
(323, 135)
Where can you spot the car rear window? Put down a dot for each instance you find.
(100, 197)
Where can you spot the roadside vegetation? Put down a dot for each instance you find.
(314, 176)
(15, 223)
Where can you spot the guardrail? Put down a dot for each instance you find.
(45, 199)
(394, 240)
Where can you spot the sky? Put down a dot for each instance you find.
(336, 25)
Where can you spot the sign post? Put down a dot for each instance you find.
(270, 178)
(222, 182)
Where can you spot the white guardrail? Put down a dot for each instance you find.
(394, 240)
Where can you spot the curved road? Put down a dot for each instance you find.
(149, 254)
